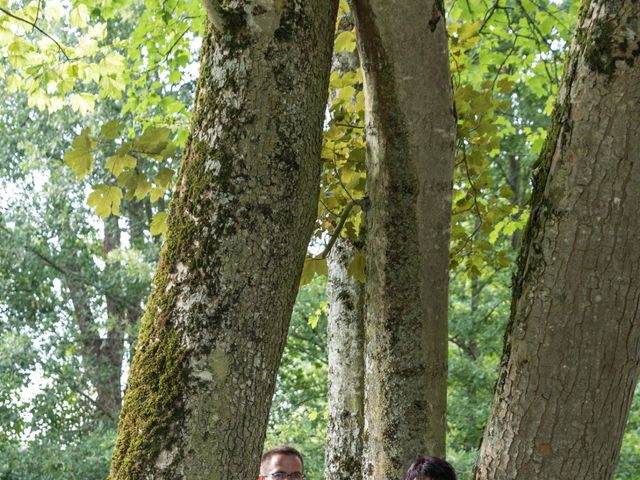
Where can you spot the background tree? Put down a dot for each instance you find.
(345, 345)
(410, 149)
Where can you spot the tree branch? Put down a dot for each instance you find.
(343, 219)
(33, 24)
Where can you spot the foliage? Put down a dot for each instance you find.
(96, 120)
(299, 411)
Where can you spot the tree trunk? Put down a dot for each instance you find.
(572, 350)
(139, 221)
(212, 335)
(345, 345)
(410, 150)
(112, 349)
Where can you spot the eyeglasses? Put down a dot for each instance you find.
(284, 476)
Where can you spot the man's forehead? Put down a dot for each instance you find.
(284, 462)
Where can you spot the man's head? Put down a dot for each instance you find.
(282, 463)
(430, 468)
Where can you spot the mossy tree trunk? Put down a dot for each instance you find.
(410, 129)
(572, 350)
(345, 345)
(215, 325)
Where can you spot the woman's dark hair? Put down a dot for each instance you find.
(433, 468)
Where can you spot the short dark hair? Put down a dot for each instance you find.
(281, 450)
(433, 468)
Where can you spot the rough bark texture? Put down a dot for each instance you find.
(345, 345)
(212, 335)
(410, 140)
(572, 350)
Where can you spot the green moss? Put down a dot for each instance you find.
(601, 43)
(153, 402)
(599, 46)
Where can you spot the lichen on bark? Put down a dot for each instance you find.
(212, 335)
(410, 129)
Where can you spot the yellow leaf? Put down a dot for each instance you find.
(159, 223)
(142, 186)
(53, 11)
(156, 194)
(105, 199)
(312, 266)
(79, 16)
(163, 179)
(14, 82)
(83, 103)
(112, 86)
(357, 267)
(38, 99)
(55, 104)
(79, 157)
(118, 163)
(346, 41)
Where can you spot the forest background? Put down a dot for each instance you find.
(94, 118)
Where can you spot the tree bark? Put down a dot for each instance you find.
(410, 129)
(345, 345)
(214, 328)
(572, 349)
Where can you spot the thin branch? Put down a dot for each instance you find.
(33, 24)
(37, 13)
(348, 125)
(338, 229)
(337, 173)
(168, 52)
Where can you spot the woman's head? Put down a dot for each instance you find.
(430, 468)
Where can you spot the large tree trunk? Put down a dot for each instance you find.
(212, 335)
(410, 149)
(345, 345)
(572, 351)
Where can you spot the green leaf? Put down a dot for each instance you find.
(38, 99)
(79, 16)
(312, 266)
(112, 129)
(321, 310)
(505, 85)
(118, 163)
(346, 41)
(79, 157)
(141, 187)
(112, 86)
(83, 103)
(159, 223)
(164, 176)
(105, 199)
(154, 141)
(156, 194)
